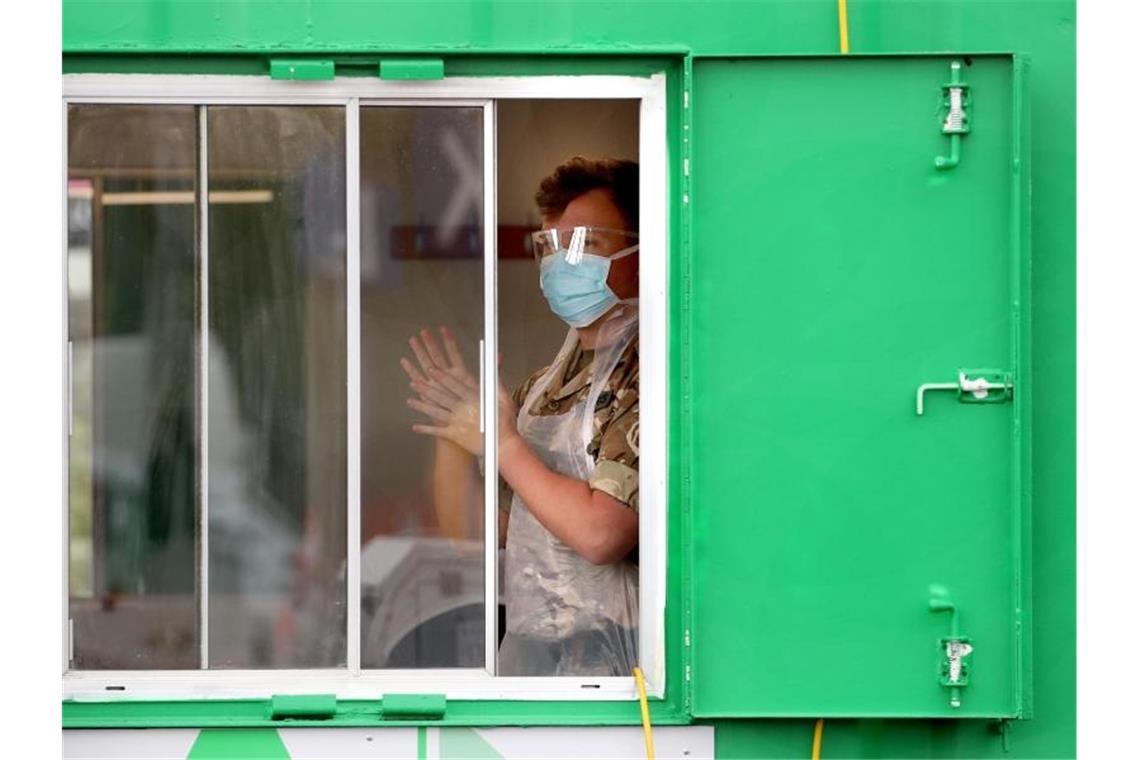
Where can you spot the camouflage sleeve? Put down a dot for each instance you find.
(616, 471)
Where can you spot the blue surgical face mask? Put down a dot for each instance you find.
(575, 286)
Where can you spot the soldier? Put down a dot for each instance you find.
(568, 437)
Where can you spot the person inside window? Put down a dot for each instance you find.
(568, 437)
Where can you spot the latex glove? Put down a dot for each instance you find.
(449, 394)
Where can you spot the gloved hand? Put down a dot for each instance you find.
(449, 393)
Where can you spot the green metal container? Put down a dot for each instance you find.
(869, 478)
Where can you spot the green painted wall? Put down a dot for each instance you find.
(237, 36)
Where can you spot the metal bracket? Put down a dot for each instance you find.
(954, 672)
(1002, 727)
(974, 386)
(305, 706)
(956, 119)
(413, 707)
(302, 69)
(411, 68)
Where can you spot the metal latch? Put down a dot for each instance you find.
(956, 115)
(954, 672)
(974, 386)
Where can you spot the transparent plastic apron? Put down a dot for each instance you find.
(566, 616)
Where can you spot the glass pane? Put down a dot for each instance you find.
(277, 379)
(422, 568)
(132, 452)
(561, 329)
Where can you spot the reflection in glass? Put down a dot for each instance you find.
(132, 460)
(422, 568)
(277, 379)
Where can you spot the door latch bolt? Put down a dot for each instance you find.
(956, 122)
(953, 670)
(974, 386)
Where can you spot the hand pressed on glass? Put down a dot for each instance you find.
(449, 393)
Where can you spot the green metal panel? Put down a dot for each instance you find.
(302, 70)
(835, 270)
(411, 68)
(482, 38)
(413, 706)
(669, 710)
(316, 706)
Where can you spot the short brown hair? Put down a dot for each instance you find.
(579, 176)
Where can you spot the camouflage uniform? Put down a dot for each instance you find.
(615, 444)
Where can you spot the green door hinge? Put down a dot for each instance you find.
(413, 706)
(302, 70)
(411, 68)
(302, 706)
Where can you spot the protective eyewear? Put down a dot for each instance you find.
(576, 241)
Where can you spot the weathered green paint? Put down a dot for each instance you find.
(315, 706)
(238, 744)
(411, 68)
(678, 634)
(357, 713)
(560, 37)
(413, 706)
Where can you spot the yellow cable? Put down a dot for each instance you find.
(817, 741)
(637, 676)
(843, 27)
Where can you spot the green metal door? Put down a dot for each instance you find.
(851, 556)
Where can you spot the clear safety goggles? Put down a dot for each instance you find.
(576, 241)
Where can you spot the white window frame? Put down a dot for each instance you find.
(353, 682)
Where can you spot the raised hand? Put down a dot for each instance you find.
(448, 393)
